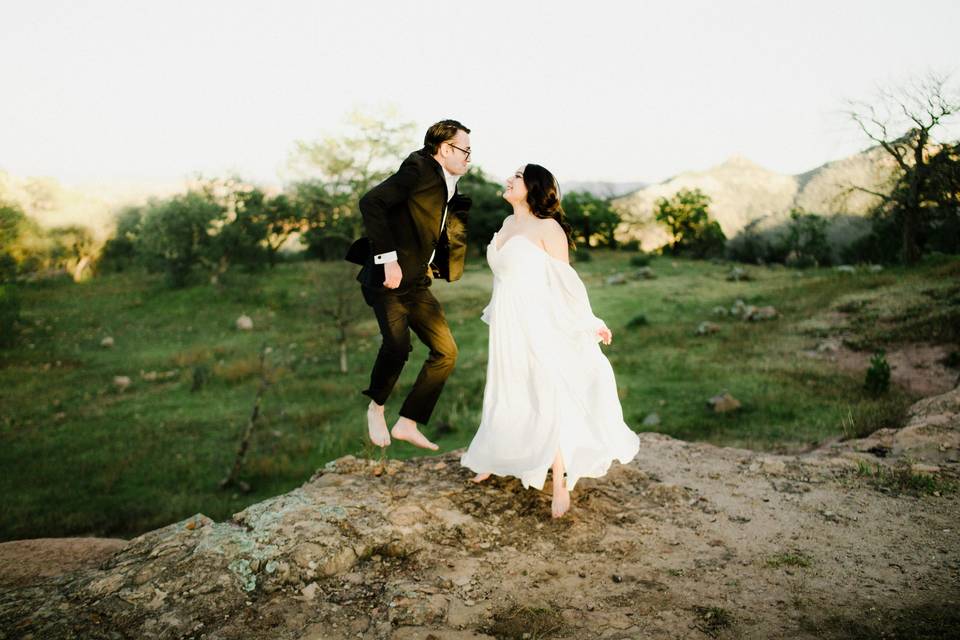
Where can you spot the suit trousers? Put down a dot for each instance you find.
(398, 312)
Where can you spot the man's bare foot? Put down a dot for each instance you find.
(406, 429)
(377, 425)
(561, 498)
(480, 477)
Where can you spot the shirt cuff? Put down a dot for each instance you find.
(381, 258)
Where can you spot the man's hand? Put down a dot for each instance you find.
(606, 336)
(392, 275)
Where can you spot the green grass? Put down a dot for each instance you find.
(79, 457)
(789, 559)
(902, 479)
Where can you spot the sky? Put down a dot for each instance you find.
(125, 90)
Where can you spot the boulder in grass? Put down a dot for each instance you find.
(121, 382)
(652, 420)
(107, 343)
(738, 274)
(760, 313)
(845, 268)
(723, 403)
(644, 273)
(154, 376)
(617, 278)
(707, 328)
(244, 323)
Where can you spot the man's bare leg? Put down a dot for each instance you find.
(561, 496)
(377, 425)
(406, 429)
(480, 477)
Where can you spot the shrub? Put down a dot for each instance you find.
(8, 267)
(639, 320)
(748, 245)
(640, 260)
(880, 246)
(868, 417)
(877, 381)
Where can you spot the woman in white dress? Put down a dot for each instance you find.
(550, 401)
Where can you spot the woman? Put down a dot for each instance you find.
(550, 400)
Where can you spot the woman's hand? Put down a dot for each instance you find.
(606, 336)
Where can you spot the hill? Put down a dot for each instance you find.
(742, 192)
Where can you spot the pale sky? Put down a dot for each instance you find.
(128, 90)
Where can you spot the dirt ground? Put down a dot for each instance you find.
(916, 367)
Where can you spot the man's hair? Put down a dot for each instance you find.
(440, 132)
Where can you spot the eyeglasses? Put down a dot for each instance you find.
(466, 151)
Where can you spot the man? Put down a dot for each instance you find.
(415, 226)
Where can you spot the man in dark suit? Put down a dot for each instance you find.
(415, 223)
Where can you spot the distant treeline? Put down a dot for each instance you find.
(227, 223)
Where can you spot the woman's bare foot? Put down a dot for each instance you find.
(561, 497)
(480, 477)
(377, 425)
(406, 429)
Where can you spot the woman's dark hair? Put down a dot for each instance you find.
(440, 132)
(543, 196)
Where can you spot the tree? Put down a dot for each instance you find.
(592, 219)
(806, 239)
(487, 210)
(71, 248)
(329, 225)
(177, 235)
(336, 171)
(339, 302)
(686, 216)
(283, 220)
(942, 199)
(12, 223)
(903, 122)
(120, 252)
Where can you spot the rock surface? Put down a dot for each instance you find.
(687, 541)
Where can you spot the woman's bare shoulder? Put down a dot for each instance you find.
(550, 228)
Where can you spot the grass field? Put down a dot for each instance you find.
(79, 456)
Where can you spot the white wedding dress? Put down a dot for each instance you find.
(548, 386)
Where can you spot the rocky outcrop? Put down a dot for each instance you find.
(688, 540)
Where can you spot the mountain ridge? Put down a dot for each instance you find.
(744, 192)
